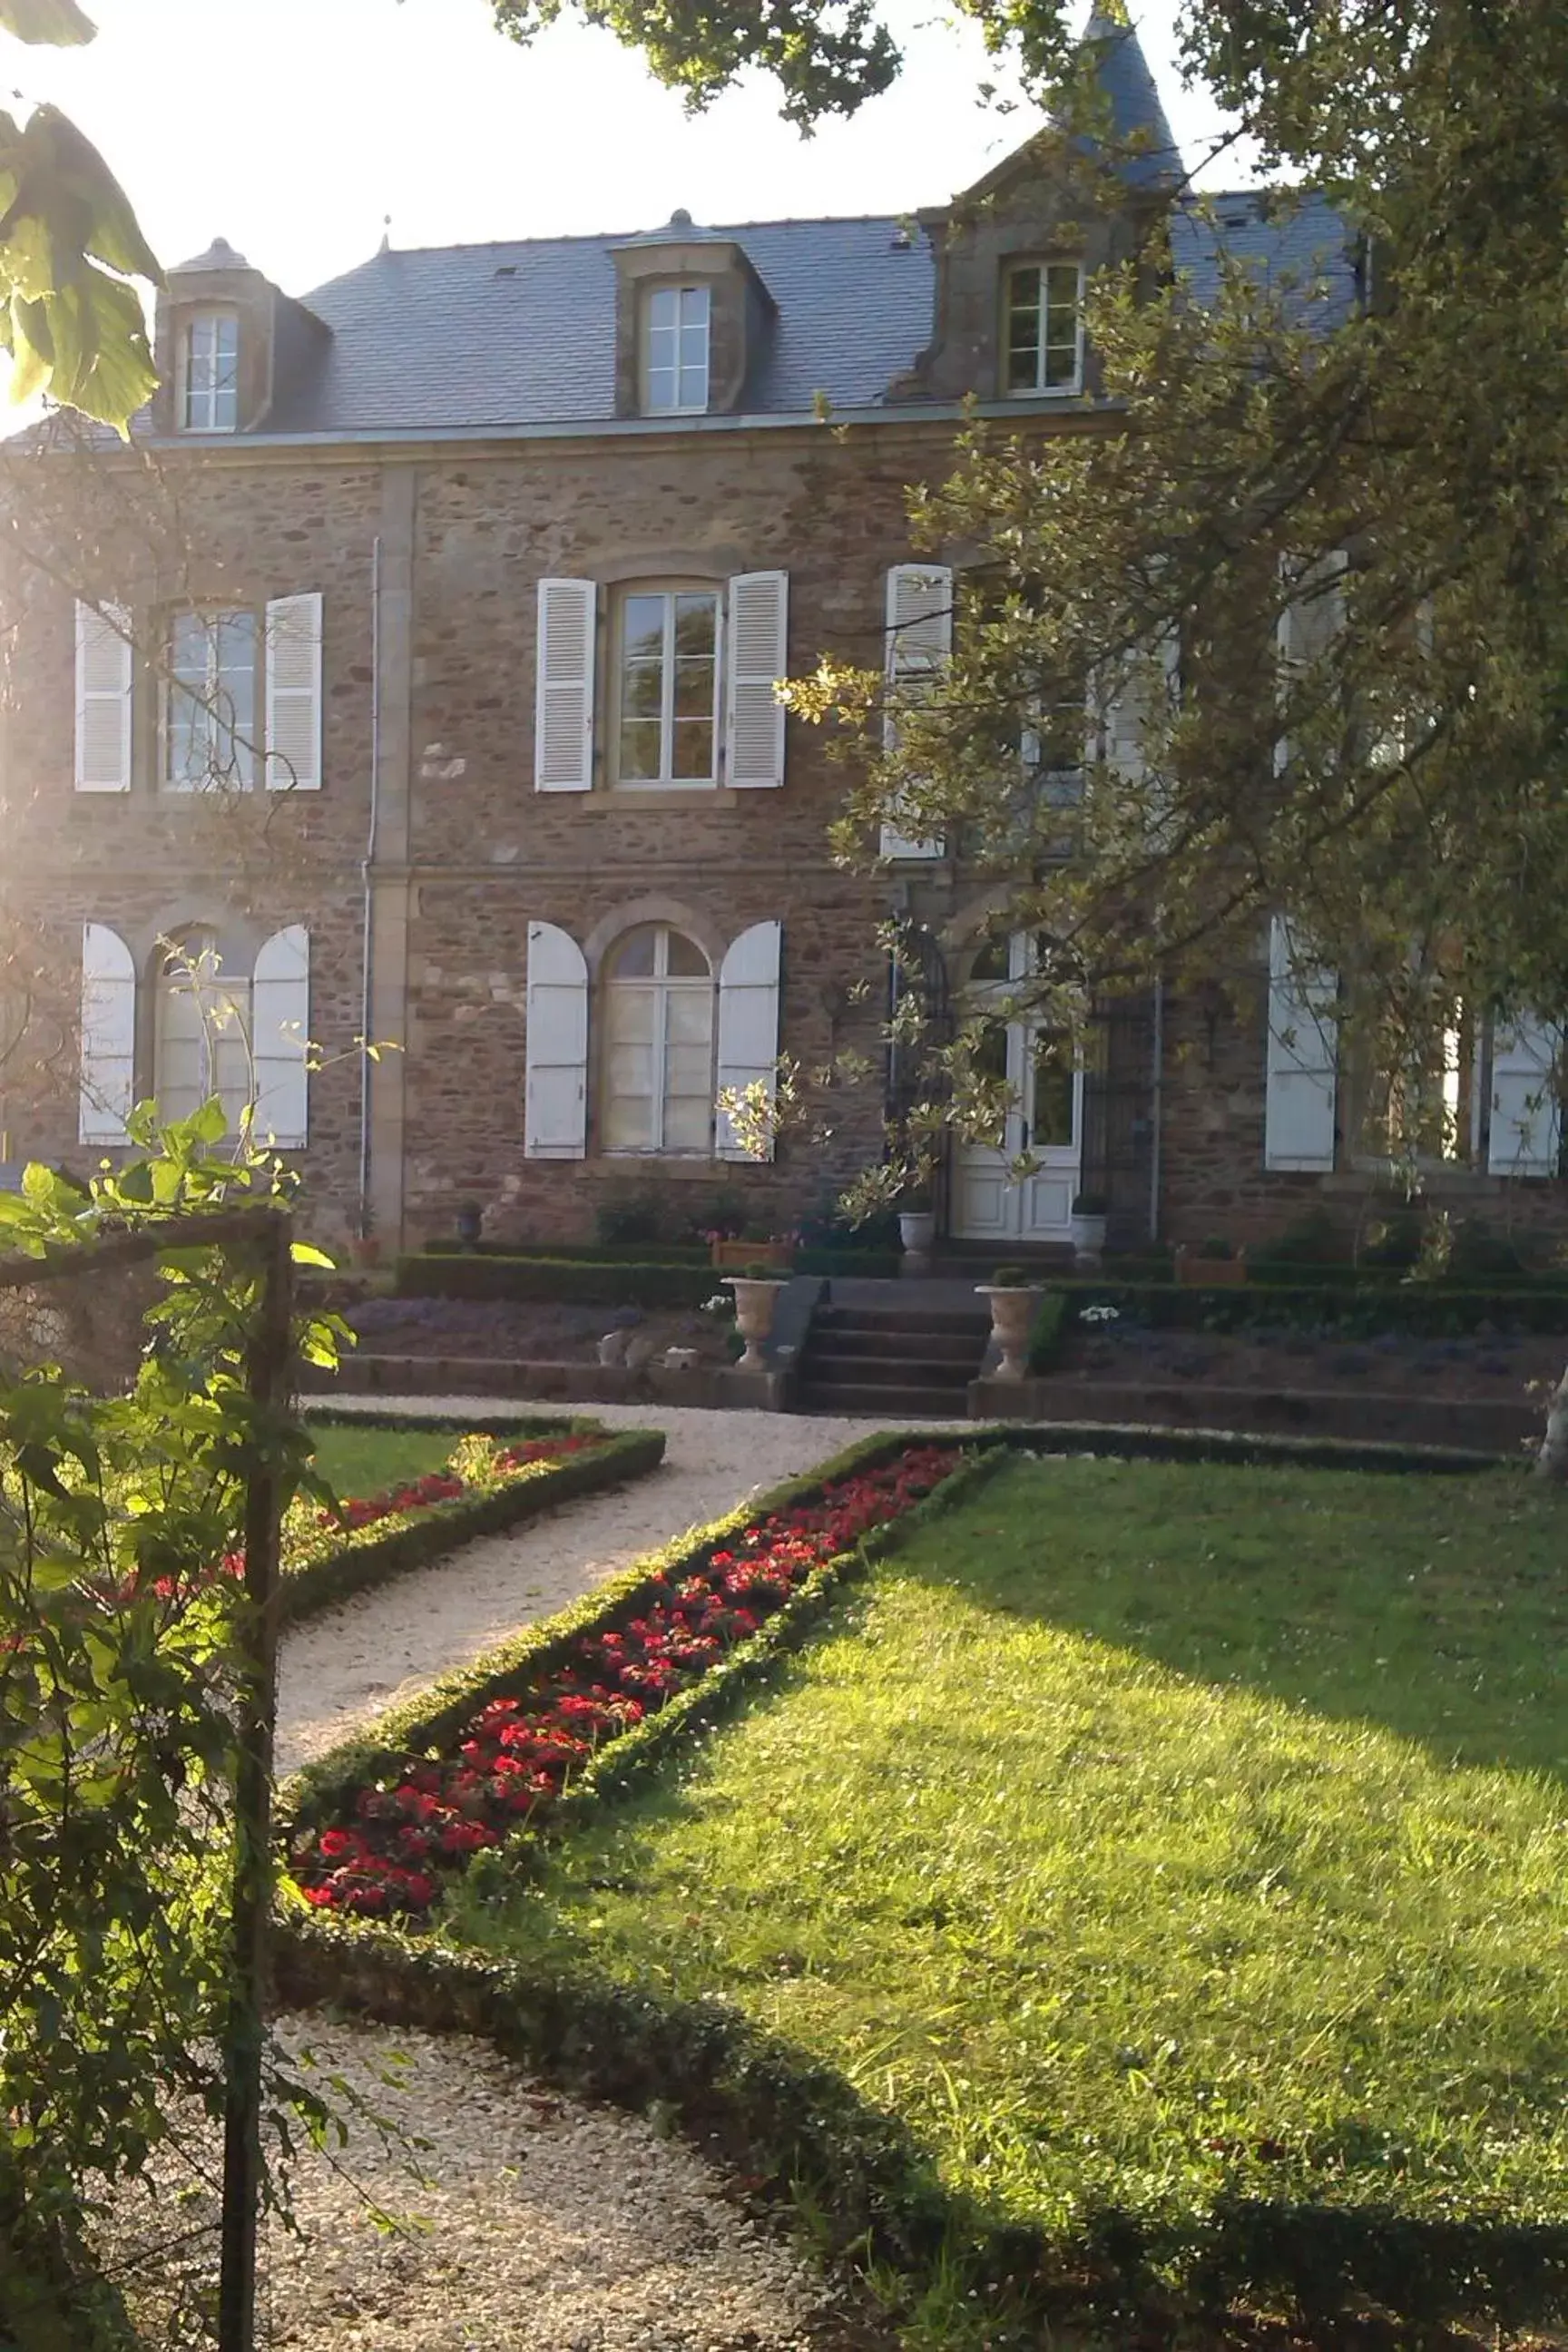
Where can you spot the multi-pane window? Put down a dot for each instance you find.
(211, 372)
(1425, 1104)
(674, 351)
(669, 680)
(1045, 327)
(209, 734)
(202, 1046)
(658, 1088)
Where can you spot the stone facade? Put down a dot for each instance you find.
(420, 864)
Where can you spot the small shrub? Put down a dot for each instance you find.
(1216, 1250)
(1010, 1277)
(634, 1216)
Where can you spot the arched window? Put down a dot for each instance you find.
(202, 1040)
(658, 1088)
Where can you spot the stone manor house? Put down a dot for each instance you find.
(453, 726)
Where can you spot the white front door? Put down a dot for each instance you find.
(1044, 1121)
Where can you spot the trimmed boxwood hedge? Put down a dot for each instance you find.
(1430, 1310)
(795, 2121)
(433, 1714)
(581, 1252)
(319, 1584)
(558, 1281)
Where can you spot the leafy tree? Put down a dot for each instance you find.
(1348, 520)
(123, 1641)
(69, 247)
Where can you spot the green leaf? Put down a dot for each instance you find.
(307, 1253)
(53, 24)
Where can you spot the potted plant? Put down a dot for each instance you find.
(1086, 1224)
(1014, 1302)
(756, 1301)
(772, 1251)
(1213, 1266)
(365, 1247)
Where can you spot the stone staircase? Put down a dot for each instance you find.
(892, 1361)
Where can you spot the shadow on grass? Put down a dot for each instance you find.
(1435, 1607)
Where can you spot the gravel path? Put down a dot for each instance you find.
(340, 1669)
(539, 2222)
(532, 2221)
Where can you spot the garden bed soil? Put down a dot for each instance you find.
(1485, 1367)
(520, 1331)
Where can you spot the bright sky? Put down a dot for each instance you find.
(293, 127)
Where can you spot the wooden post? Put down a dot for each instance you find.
(269, 1368)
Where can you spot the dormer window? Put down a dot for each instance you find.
(1044, 307)
(209, 373)
(674, 351)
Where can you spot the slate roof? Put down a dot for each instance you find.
(1293, 239)
(478, 335)
(1141, 146)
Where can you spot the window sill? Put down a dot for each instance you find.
(689, 1164)
(663, 796)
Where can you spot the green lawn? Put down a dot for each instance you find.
(1145, 1833)
(362, 1462)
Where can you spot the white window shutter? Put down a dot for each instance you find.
(748, 1022)
(563, 692)
(759, 627)
(104, 674)
(1526, 1110)
(294, 694)
(1304, 1055)
(280, 1036)
(1311, 618)
(1135, 706)
(555, 1100)
(108, 1034)
(919, 645)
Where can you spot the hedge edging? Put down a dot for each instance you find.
(442, 1707)
(527, 1493)
(1127, 1441)
(461, 1424)
(1420, 1309)
(629, 1759)
(777, 2112)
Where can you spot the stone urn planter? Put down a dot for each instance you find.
(1086, 1226)
(917, 1230)
(756, 1303)
(1013, 1310)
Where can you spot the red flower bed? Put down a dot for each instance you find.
(446, 1486)
(516, 1755)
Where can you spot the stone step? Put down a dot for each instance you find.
(902, 1322)
(888, 1371)
(905, 1347)
(883, 1404)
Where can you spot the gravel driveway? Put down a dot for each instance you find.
(555, 2226)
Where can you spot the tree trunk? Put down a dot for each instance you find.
(1552, 1462)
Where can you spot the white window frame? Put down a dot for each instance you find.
(222, 1011)
(660, 984)
(692, 344)
(666, 782)
(192, 396)
(1460, 1095)
(241, 776)
(1040, 389)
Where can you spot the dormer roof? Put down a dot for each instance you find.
(219, 256)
